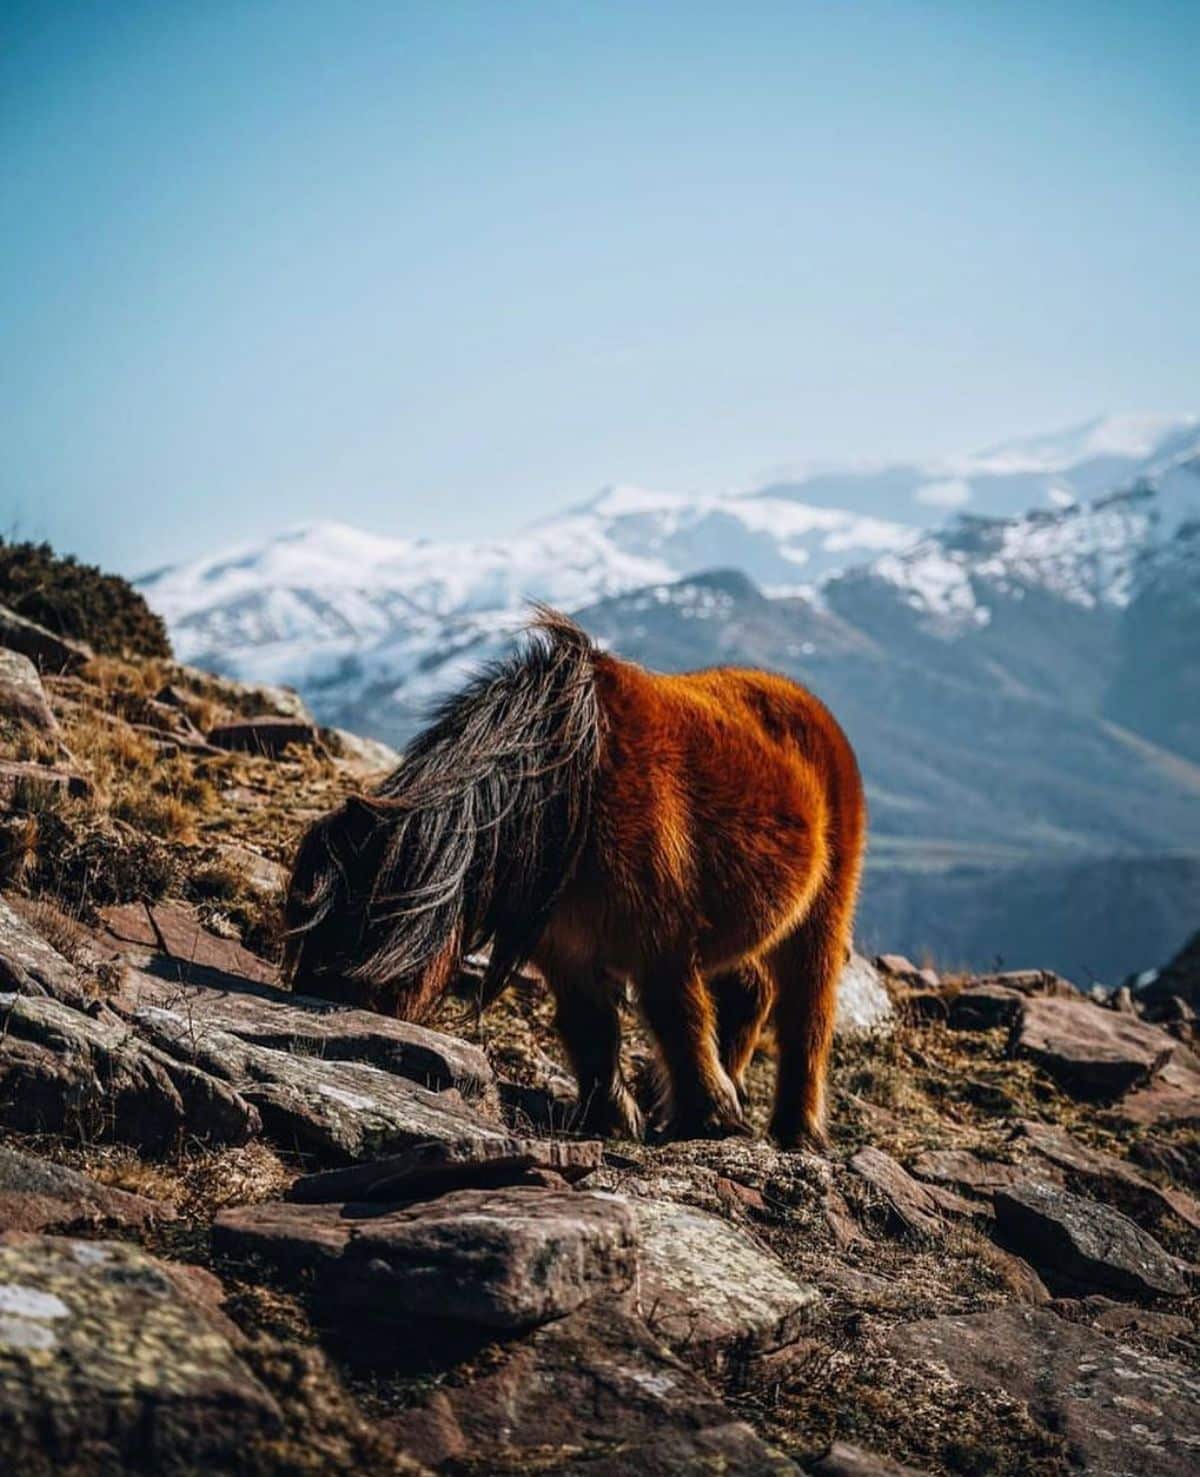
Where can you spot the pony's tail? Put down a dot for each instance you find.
(483, 823)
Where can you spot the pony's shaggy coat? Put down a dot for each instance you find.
(698, 836)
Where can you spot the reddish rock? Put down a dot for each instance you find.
(49, 653)
(1090, 1052)
(844, 1460)
(984, 1007)
(434, 1168)
(37, 1195)
(501, 1259)
(966, 1170)
(1172, 1097)
(173, 930)
(919, 1208)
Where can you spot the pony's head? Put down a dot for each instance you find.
(469, 843)
(336, 930)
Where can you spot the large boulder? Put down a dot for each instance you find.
(172, 931)
(1122, 1412)
(1089, 1244)
(63, 1072)
(337, 1111)
(111, 1361)
(38, 1195)
(494, 1259)
(919, 1209)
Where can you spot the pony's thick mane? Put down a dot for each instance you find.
(471, 840)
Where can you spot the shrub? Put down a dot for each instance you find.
(79, 601)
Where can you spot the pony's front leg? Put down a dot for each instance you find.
(699, 1098)
(588, 1020)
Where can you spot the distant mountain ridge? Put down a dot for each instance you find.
(1023, 690)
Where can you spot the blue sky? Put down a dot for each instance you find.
(442, 268)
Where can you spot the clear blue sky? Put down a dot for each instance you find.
(441, 268)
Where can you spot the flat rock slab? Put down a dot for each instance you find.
(36, 1195)
(601, 1391)
(29, 965)
(112, 1361)
(495, 1259)
(1091, 1052)
(339, 1111)
(919, 1208)
(48, 652)
(434, 1168)
(1110, 1177)
(268, 736)
(303, 1024)
(967, 1170)
(174, 931)
(1172, 1097)
(709, 1291)
(1089, 1243)
(63, 1072)
(1123, 1413)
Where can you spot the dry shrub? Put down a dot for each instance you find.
(160, 815)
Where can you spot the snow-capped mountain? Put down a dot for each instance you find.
(336, 612)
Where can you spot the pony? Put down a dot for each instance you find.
(696, 837)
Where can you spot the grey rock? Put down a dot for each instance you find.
(29, 965)
(17, 776)
(1123, 1413)
(1089, 1243)
(63, 1072)
(111, 1361)
(844, 1460)
(863, 1003)
(340, 1111)
(709, 1291)
(305, 1025)
(23, 699)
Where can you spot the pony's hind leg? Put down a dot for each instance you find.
(587, 1018)
(807, 966)
(698, 1100)
(744, 996)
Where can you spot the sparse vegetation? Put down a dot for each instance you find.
(79, 601)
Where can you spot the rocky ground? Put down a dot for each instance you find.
(241, 1231)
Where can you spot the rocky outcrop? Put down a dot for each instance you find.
(63, 1072)
(863, 1003)
(31, 966)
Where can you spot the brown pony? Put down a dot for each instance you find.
(698, 836)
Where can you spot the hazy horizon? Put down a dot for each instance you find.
(449, 270)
